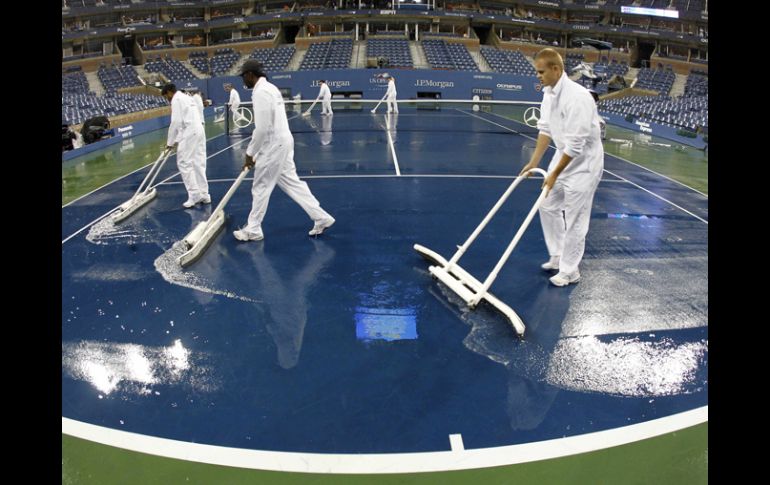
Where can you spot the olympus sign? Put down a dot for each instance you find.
(191, 25)
(548, 4)
(509, 87)
(580, 27)
(434, 84)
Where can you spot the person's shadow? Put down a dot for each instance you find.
(284, 295)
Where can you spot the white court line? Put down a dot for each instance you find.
(616, 175)
(658, 196)
(618, 157)
(382, 463)
(126, 175)
(456, 442)
(159, 183)
(392, 148)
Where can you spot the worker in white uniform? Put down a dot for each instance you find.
(199, 104)
(271, 153)
(186, 131)
(235, 102)
(325, 95)
(569, 118)
(390, 95)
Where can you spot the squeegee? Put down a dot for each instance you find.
(471, 290)
(201, 236)
(145, 193)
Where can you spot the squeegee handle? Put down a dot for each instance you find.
(144, 185)
(157, 171)
(230, 192)
(491, 278)
(461, 250)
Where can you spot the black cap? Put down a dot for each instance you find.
(251, 65)
(168, 88)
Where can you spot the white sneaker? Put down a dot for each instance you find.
(320, 226)
(564, 279)
(552, 263)
(188, 203)
(206, 199)
(243, 235)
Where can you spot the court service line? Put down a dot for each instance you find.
(392, 148)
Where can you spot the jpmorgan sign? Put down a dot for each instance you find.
(421, 83)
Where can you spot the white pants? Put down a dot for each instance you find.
(276, 166)
(564, 215)
(191, 162)
(392, 105)
(326, 106)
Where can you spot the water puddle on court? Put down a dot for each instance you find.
(107, 232)
(169, 268)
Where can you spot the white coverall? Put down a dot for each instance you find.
(235, 102)
(325, 95)
(570, 118)
(186, 130)
(272, 147)
(390, 96)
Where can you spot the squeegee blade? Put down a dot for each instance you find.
(134, 204)
(212, 227)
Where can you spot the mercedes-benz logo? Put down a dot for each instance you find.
(532, 116)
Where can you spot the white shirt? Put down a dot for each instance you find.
(270, 123)
(235, 100)
(391, 88)
(324, 93)
(185, 118)
(568, 115)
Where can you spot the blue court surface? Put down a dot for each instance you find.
(344, 343)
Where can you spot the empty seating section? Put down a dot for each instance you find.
(396, 51)
(76, 108)
(275, 59)
(174, 70)
(659, 80)
(443, 55)
(608, 71)
(512, 62)
(328, 55)
(113, 78)
(684, 112)
(200, 61)
(223, 60)
(697, 85)
(74, 83)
